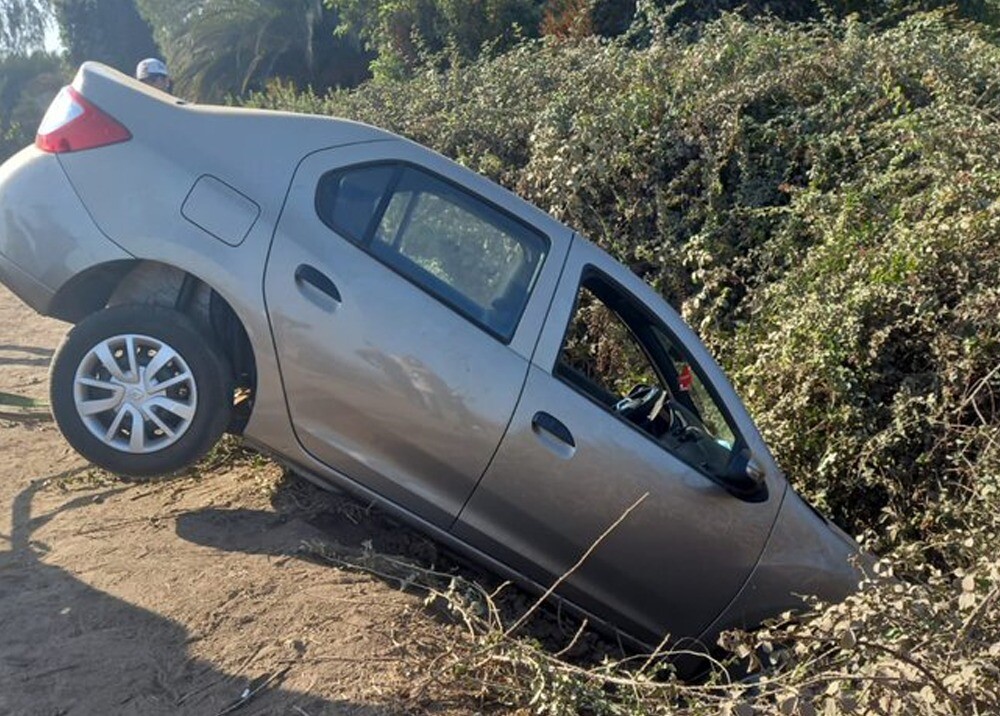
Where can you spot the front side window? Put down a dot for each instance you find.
(691, 386)
(623, 359)
(460, 249)
(601, 355)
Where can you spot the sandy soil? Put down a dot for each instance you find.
(178, 597)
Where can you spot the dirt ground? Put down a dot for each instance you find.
(179, 597)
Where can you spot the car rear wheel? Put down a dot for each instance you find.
(140, 391)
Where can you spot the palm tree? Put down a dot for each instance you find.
(220, 47)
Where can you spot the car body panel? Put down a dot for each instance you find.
(136, 190)
(217, 208)
(42, 249)
(436, 391)
(676, 561)
(806, 555)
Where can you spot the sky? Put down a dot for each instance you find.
(52, 41)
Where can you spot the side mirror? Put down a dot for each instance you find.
(745, 478)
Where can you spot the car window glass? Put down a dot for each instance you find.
(460, 249)
(615, 353)
(388, 231)
(347, 200)
(601, 349)
(690, 384)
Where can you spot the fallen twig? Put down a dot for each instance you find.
(590, 550)
(249, 694)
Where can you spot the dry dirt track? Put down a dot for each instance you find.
(175, 597)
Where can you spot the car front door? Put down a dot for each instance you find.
(405, 296)
(628, 451)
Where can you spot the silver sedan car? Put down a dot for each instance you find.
(385, 321)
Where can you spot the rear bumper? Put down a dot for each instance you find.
(32, 292)
(46, 234)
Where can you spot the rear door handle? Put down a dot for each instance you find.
(543, 422)
(318, 280)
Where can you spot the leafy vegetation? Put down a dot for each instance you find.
(22, 25)
(27, 85)
(882, 12)
(403, 34)
(763, 172)
(108, 31)
(220, 47)
(820, 201)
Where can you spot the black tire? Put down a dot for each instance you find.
(172, 438)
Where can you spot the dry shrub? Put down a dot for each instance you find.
(820, 201)
(567, 18)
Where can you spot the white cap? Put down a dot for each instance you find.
(150, 67)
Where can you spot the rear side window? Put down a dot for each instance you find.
(468, 254)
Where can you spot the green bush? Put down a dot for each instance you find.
(28, 83)
(817, 200)
(820, 202)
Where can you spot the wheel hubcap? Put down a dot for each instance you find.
(135, 394)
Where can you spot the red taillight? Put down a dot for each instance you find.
(72, 124)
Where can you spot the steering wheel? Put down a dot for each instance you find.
(640, 403)
(685, 425)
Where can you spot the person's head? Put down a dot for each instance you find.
(153, 72)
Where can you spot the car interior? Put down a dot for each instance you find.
(663, 397)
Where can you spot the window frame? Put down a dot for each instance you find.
(467, 198)
(589, 272)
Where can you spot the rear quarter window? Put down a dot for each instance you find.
(348, 200)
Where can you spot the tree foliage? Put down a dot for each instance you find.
(220, 47)
(820, 201)
(404, 33)
(108, 31)
(568, 18)
(881, 12)
(766, 180)
(27, 85)
(22, 25)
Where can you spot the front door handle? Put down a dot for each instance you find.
(546, 423)
(318, 280)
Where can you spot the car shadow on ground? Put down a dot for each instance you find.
(69, 648)
(338, 531)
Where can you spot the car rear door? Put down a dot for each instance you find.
(677, 544)
(405, 296)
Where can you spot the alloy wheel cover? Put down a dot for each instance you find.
(134, 393)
